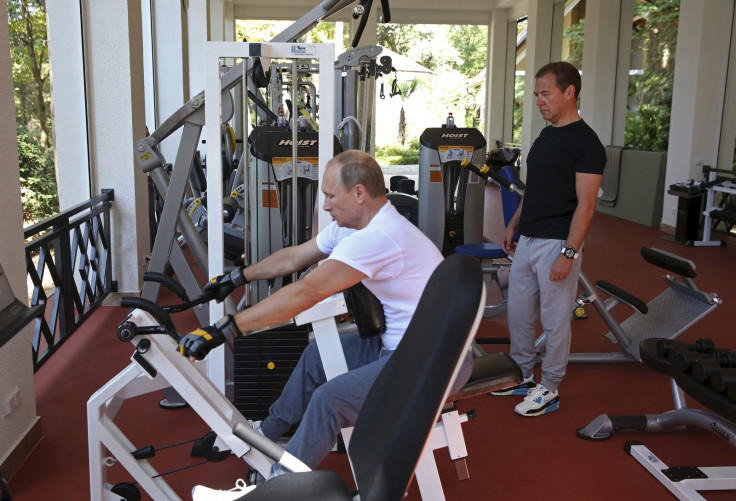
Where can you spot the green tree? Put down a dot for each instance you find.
(655, 35)
(575, 35)
(37, 179)
(406, 89)
(31, 80)
(29, 53)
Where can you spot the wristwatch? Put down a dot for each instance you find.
(569, 253)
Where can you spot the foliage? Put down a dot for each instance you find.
(655, 35)
(648, 128)
(37, 178)
(29, 54)
(265, 31)
(398, 155)
(575, 35)
(406, 89)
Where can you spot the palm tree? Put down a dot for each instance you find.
(406, 89)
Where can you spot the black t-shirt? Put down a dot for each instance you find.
(550, 198)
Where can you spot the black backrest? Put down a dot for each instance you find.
(406, 399)
(668, 261)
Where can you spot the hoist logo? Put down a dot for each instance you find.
(301, 142)
(454, 136)
(720, 431)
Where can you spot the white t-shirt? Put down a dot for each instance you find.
(395, 256)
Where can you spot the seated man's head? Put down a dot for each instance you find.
(354, 188)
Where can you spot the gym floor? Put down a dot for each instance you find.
(510, 457)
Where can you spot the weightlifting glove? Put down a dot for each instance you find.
(220, 287)
(198, 343)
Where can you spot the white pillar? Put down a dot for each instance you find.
(166, 78)
(16, 369)
(197, 35)
(599, 80)
(64, 27)
(728, 128)
(698, 93)
(496, 101)
(115, 100)
(538, 53)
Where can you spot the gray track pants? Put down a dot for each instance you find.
(532, 295)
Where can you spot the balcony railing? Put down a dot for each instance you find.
(68, 261)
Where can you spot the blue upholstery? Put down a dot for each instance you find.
(481, 251)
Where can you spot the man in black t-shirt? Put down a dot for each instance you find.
(564, 170)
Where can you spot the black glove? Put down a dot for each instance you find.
(220, 287)
(198, 343)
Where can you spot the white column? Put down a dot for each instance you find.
(599, 66)
(538, 53)
(197, 35)
(217, 20)
(115, 100)
(166, 80)
(698, 94)
(728, 129)
(64, 27)
(16, 369)
(496, 99)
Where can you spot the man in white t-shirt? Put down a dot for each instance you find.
(368, 241)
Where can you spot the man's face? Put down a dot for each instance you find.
(342, 205)
(551, 101)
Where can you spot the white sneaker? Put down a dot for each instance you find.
(202, 493)
(538, 401)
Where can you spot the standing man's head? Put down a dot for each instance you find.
(557, 87)
(354, 188)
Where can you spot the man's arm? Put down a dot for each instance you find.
(507, 241)
(285, 261)
(328, 278)
(586, 187)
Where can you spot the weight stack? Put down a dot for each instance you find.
(263, 363)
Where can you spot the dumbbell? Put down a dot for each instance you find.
(731, 392)
(701, 346)
(719, 380)
(684, 360)
(703, 368)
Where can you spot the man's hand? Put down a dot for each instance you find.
(198, 343)
(507, 241)
(220, 287)
(560, 269)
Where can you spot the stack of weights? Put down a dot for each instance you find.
(704, 362)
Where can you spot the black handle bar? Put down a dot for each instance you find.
(176, 288)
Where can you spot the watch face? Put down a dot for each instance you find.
(569, 253)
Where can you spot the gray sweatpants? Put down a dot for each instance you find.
(532, 295)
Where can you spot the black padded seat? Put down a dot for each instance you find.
(405, 401)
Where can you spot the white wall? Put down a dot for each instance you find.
(16, 369)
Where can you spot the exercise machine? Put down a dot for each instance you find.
(405, 401)
(451, 198)
(500, 165)
(683, 363)
(156, 365)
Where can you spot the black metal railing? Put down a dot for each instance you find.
(68, 261)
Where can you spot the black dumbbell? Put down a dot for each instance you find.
(684, 360)
(731, 392)
(701, 346)
(703, 368)
(719, 379)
